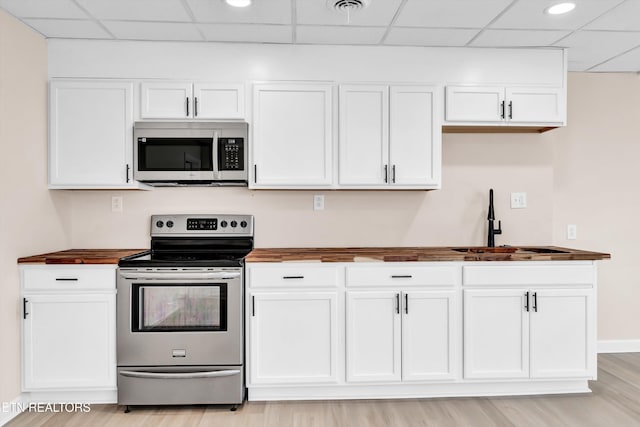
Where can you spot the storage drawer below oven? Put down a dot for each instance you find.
(180, 385)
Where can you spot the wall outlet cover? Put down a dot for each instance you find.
(116, 204)
(318, 202)
(572, 232)
(518, 200)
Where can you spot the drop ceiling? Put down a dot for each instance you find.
(601, 35)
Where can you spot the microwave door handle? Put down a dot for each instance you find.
(214, 153)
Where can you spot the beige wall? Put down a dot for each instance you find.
(32, 219)
(596, 184)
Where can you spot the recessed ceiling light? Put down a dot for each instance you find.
(560, 8)
(238, 3)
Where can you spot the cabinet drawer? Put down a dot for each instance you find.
(529, 275)
(403, 275)
(294, 275)
(68, 278)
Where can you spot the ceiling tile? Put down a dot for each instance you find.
(625, 17)
(529, 14)
(136, 10)
(429, 37)
(67, 28)
(595, 47)
(518, 38)
(260, 12)
(127, 30)
(318, 13)
(628, 62)
(43, 9)
(247, 33)
(339, 35)
(450, 13)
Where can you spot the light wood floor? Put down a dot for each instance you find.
(615, 402)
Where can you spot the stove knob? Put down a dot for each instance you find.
(159, 224)
(243, 224)
(223, 224)
(169, 223)
(234, 224)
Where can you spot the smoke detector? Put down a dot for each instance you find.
(347, 6)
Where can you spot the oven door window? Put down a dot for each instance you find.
(179, 307)
(175, 154)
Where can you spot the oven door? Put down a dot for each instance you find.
(173, 316)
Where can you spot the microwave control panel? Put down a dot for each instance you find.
(230, 154)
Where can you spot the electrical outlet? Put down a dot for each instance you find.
(318, 202)
(572, 232)
(518, 200)
(116, 204)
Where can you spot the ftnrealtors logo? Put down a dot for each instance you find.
(45, 407)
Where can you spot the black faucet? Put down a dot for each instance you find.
(491, 241)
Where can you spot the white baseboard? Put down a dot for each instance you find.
(619, 346)
(10, 410)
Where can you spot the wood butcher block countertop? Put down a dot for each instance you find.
(404, 254)
(80, 256)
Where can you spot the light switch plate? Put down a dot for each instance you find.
(518, 200)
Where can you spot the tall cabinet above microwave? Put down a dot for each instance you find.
(190, 153)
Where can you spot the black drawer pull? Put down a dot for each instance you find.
(407, 276)
(66, 279)
(293, 277)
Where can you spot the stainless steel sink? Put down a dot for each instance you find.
(509, 250)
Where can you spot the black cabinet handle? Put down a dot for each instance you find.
(128, 168)
(293, 277)
(510, 110)
(535, 302)
(502, 110)
(393, 174)
(255, 174)
(66, 279)
(187, 107)
(408, 276)
(253, 306)
(406, 303)
(195, 106)
(526, 301)
(386, 174)
(398, 303)
(24, 308)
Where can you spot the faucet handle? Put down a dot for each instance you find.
(499, 229)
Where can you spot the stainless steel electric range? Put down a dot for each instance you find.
(180, 306)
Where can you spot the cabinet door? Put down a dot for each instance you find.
(496, 339)
(415, 136)
(428, 335)
(364, 135)
(69, 342)
(292, 135)
(90, 133)
(474, 104)
(373, 336)
(563, 334)
(531, 105)
(218, 101)
(165, 100)
(294, 337)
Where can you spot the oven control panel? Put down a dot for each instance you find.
(201, 224)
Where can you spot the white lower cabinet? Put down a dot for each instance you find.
(400, 335)
(419, 329)
(68, 334)
(294, 337)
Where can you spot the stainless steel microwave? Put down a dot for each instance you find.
(190, 153)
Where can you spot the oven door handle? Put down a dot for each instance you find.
(180, 375)
(174, 275)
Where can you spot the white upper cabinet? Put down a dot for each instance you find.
(186, 100)
(390, 137)
(292, 136)
(498, 105)
(91, 134)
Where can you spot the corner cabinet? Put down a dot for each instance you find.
(91, 134)
(187, 100)
(68, 333)
(292, 136)
(390, 137)
(499, 105)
